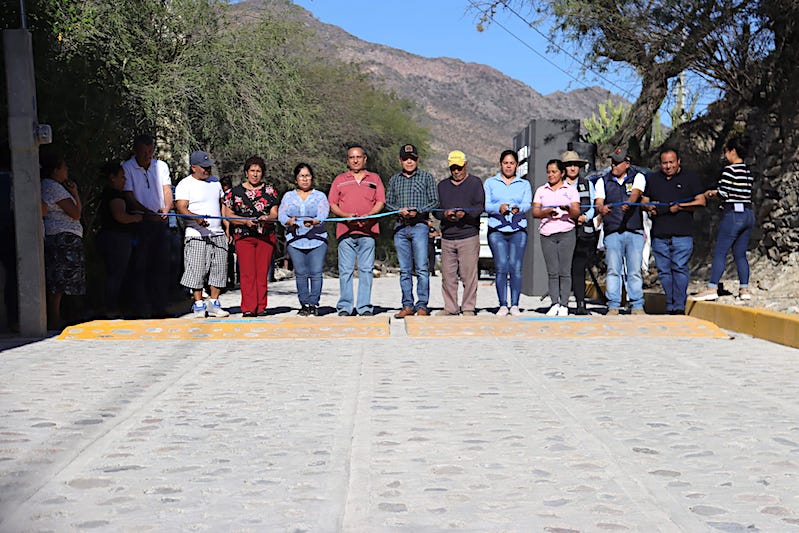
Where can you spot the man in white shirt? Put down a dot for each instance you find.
(205, 243)
(148, 189)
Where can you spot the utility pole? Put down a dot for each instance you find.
(25, 135)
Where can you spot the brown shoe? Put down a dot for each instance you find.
(406, 311)
(422, 312)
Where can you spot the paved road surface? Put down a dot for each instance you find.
(400, 434)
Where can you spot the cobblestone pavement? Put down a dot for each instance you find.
(400, 434)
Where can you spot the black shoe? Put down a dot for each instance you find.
(313, 310)
(581, 310)
(677, 312)
(263, 313)
(303, 311)
(344, 313)
(249, 314)
(366, 313)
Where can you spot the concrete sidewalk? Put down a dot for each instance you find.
(479, 434)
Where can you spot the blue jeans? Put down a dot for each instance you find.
(411, 245)
(734, 232)
(621, 248)
(350, 249)
(671, 258)
(308, 266)
(508, 252)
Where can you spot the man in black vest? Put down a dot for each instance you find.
(624, 231)
(677, 193)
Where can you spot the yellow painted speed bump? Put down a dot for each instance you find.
(231, 328)
(563, 327)
(782, 328)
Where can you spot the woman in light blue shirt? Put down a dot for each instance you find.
(303, 211)
(508, 199)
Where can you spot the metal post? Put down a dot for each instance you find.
(24, 144)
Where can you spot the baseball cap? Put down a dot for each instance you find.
(619, 155)
(408, 150)
(201, 159)
(456, 157)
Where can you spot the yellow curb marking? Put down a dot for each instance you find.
(231, 328)
(566, 327)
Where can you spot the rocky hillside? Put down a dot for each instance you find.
(466, 106)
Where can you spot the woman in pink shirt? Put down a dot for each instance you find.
(557, 205)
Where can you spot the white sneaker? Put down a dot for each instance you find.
(503, 311)
(707, 295)
(198, 308)
(514, 310)
(215, 309)
(563, 311)
(553, 311)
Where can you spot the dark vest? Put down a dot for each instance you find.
(618, 221)
(583, 187)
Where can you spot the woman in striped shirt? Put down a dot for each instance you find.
(735, 191)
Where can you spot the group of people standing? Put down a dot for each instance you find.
(138, 198)
(670, 196)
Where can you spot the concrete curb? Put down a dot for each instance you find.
(773, 326)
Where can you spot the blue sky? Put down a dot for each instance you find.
(446, 28)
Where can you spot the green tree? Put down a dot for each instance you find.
(659, 39)
(602, 127)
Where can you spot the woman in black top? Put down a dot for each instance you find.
(115, 239)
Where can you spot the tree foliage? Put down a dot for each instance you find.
(602, 126)
(200, 75)
(720, 40)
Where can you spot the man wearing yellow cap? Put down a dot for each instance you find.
(462, 201)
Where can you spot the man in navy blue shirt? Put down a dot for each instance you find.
(676, 193)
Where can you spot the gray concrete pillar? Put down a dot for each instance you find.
(24, 144)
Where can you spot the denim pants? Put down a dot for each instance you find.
(558, 250)
(626, 248)
(508, 252)
(734, 232)
(308, 266)
(411, 244)
(350, 249)
(671, 258)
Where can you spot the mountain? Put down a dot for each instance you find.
(466, 106)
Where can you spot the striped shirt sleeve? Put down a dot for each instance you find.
(735, 184)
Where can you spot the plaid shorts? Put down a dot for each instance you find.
(204, 257)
